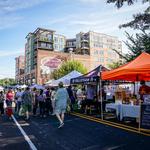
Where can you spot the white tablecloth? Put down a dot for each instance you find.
(113, 106)
(129, 111)
(124, 110)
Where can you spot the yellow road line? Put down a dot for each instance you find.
(108, 121)
(110, 124)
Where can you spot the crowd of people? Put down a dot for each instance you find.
(51, 100)
(45, 102)
(36, 102)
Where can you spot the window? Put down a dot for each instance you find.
(101, 52)
(56, 40)
(96, 52)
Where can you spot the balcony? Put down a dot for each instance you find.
(43, 39)
(72, 46)
(84, 40)
(84, 47)
(45, 47)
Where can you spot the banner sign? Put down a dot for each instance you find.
(84, 80)
(145, 116)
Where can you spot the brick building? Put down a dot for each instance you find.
(19, 72)
(45, 51)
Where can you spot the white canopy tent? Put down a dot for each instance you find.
(66, 79)
(37, 86)
(20, 86)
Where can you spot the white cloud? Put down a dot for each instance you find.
(8, 16)
(10, 53)
(9, 21)
(12, 5)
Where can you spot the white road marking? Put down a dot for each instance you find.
(32, 146)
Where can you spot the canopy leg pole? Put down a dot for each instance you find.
(101, 98)
(139, 127)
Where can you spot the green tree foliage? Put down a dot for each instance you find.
(141, 20)
(67, 67)
(141, 41)
(115, 65)
(136, 45)
(7, 81)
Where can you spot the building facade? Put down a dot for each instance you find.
(99, 46)
(70, 45)
(45, 51)
(19, 72)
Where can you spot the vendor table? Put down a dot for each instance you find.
(113, 106)
(124, 110)
(129, 111)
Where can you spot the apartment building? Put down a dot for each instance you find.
(45, 51)
(19, 72)
(40, 40)
(99, 46)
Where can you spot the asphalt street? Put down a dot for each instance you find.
(77, 134)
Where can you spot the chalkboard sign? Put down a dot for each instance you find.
(145, 116)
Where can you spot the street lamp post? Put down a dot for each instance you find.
(71, 53)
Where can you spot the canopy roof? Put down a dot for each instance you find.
(136, 70)
(37, 86)
(66, 79)
(92, 76)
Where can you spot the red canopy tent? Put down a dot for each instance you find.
(136, 70)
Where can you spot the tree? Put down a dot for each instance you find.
(141, 41)
(136, 45)
(7, 81)
(115, 65)
(140, 21)
(67, 67)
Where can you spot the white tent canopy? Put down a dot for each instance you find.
(37, 86)
(20, 86)
(66, 79)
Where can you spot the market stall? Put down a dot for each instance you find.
(91, 80)
(136, 70)
(66, 79)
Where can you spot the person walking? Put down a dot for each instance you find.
(41, 99)
(48, 103)
(53, 94)
(2, 97)
(71, 96)
(18, 99)
(34, 101)
(27, 102)
(61, 103)
(9, 97)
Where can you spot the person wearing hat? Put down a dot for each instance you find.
(61, 98)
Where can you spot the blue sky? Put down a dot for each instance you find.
(67, 17)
